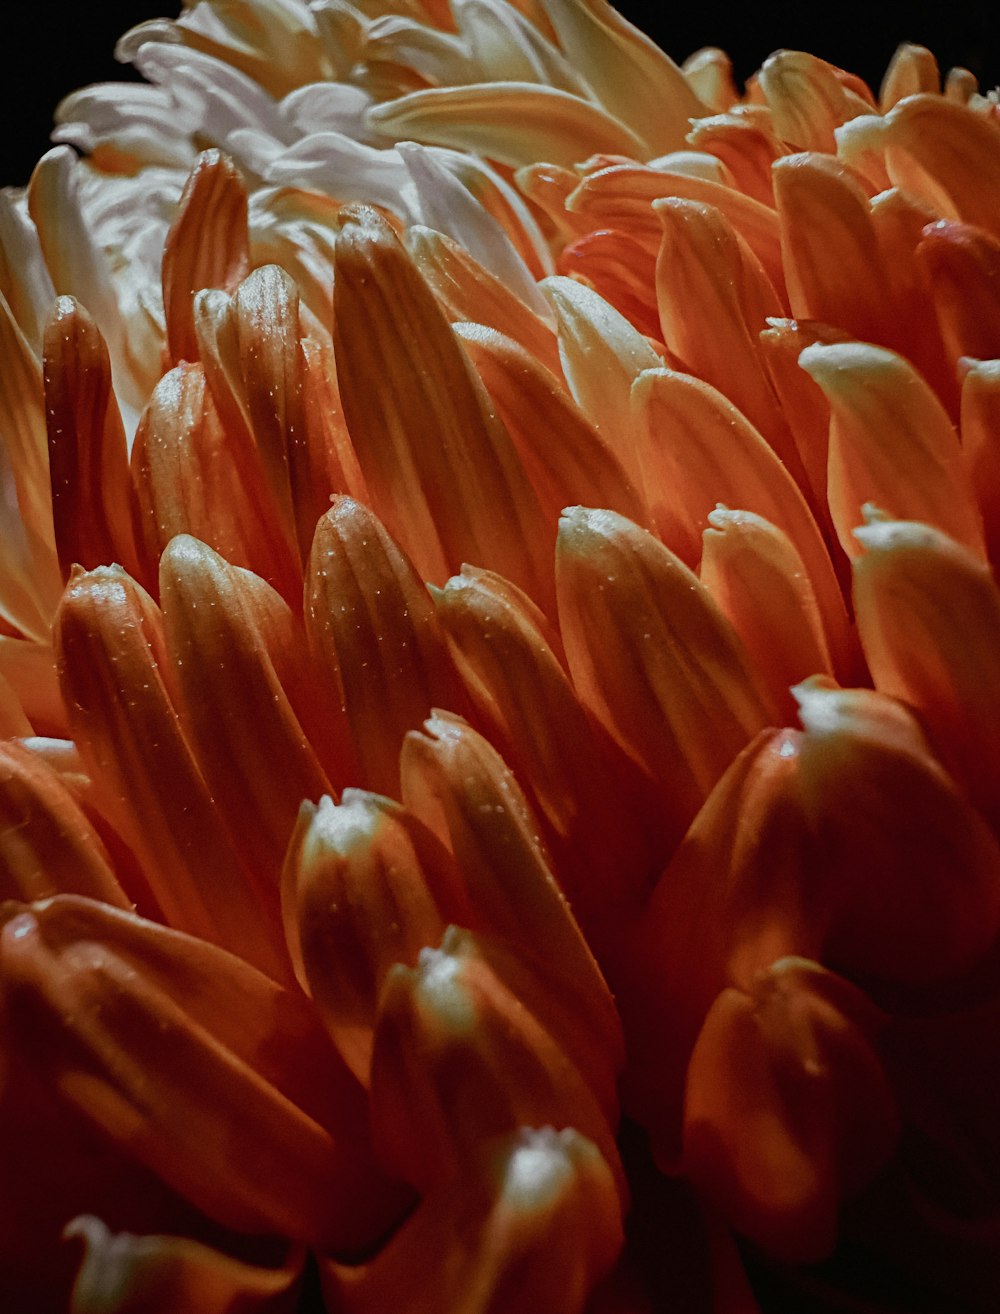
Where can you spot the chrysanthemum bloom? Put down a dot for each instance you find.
(500, 669)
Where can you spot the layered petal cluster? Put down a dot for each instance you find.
(499, 676)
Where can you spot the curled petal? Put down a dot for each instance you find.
(151, 1274)
(602, 354)
(580, 788)
(834, 268)
(912, 70)
(468, 291)
(630, 76)
(113, 669)
(884, 413)
(549, 124)
(908, 871)
(758, 581)
(532, 1223)
(698, 450)
(747, 147)
(947, 154)
(249, 745)
(703, 262)
(372, 628)
(366, 886)
(929, 620)
(179, 1091)
(581, 465)
(92, 504)
(653, 658)
(443, 474)
(460, 787)
(47, 845)
(980, 426)
(208, 246)
(963, 265)
(459, 1060)
(807, 99)
(788, 1108)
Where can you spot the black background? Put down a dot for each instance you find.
(75, 41)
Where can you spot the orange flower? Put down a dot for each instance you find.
(500, 778)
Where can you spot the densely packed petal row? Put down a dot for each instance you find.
(500, 676)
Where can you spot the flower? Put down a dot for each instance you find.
(498, 662)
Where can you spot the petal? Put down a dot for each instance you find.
(367, 885)
(469, 291)
(929, 619)
(460, 1060)
(92, 506)
(371, 626)
(195, 473)
(653, 658)
(620, 270)
(807, 99)
(962, 264)
(907, 869)
(581, 466)
(787, 1107)
(250, 748)
(113, 666)
(630, 76)
(207, 246)
(47, 845)
(757, 579)
(979, 427)
(883, 413)
(459, 786)
(550, 124)
(174, 1090)
(532, 1223)
(443, 474)
(580, 787)
(912, 70)
(150, 1274)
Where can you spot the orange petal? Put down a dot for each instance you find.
(47, 845)
(979, 428)
(112, 664)
(698, 451)
(532, 1223)
(366, 886)
(195, 475)
(883, 413)
(442, 471)
(833, 266)
(906, 867)
(746, 146)
(460, 787)
(108, 1021)
(621, 197)
(807, 99)
(208, 246)
(372, 628)
(92, 505)
(602, 354)
(579, 786)
(582, 465)
(459, 1059)
(151, 1274)
(911, 70)
(929, 619)
(731, 901)
(653, 658)
(547, 186)
(254, 755)
(788, 1108)
(468, 291)
(962, 264)
(757, 579)
(947, 154)
(620, 270)
(702, 262)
